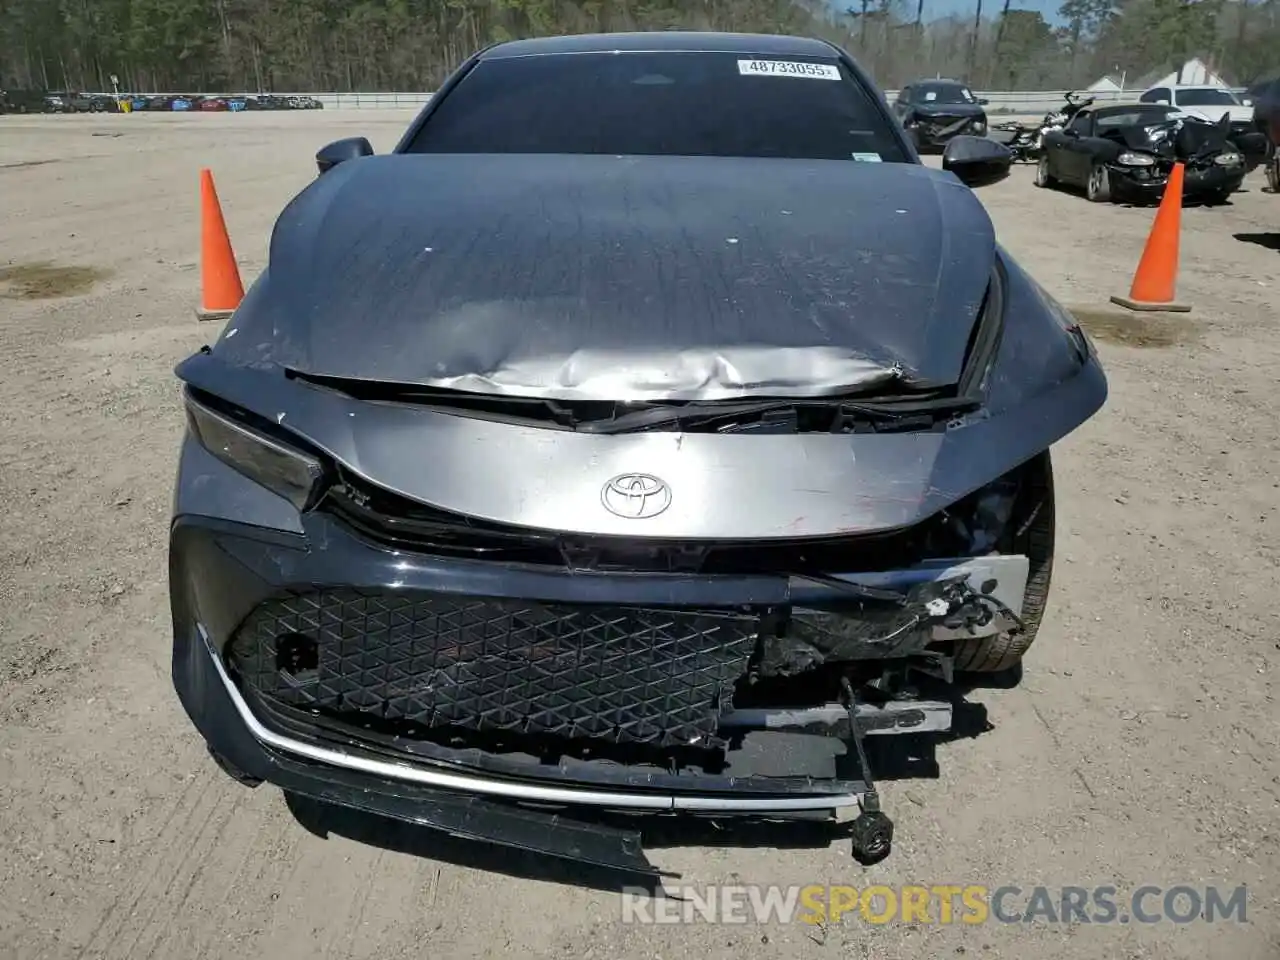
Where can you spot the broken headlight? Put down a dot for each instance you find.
(979, 521)
(1130, 159)
(290, 473)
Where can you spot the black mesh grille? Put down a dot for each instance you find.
(626, 675)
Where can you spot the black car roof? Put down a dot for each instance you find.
(936, 82)
(753, 44)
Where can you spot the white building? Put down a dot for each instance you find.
(1194, 73)
(1108, 84)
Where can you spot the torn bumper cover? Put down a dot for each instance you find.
(939, 130)
(492, 717)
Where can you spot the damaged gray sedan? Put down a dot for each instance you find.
(644, 432)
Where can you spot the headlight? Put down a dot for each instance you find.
(1228, 159)
(290, 473)
(980, 126)
(1134, 159)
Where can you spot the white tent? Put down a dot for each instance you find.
(1107, 84)
(1194, 73)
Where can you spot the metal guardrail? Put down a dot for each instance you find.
(999, 101)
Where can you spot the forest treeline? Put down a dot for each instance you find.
(410, 45)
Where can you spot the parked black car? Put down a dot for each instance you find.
(24, 101)
(1266, 118)
(1127, 151)
(934, 111)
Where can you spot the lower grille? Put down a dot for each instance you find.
(624, 675)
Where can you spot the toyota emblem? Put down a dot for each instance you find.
(635, 496)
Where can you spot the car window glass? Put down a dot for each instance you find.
(1079, 123)
(663, 104)
(1140, 116)
(948, 93)
(1207, 96)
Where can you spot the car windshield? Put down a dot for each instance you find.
(662, 104)
(1207, 97)
(945, 93)
(1136, 116)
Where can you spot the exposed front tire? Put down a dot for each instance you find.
(1032, 530)
(1273, 172)
(1043, 177)
(1098, 189)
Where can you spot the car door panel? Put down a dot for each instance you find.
(1076, 154)
(1054, 149)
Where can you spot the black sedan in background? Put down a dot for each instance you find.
(1126, 152)
(1266, 118)
(935, 111)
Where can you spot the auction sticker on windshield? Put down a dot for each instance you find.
(788, 68)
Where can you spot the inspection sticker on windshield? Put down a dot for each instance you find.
(788, 68)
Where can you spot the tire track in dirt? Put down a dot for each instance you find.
(252, 842)
(218, 839)
(196, 797)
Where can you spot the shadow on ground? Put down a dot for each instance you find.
(895, 757)
(1269, 240)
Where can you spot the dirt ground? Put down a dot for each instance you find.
(1140, 748)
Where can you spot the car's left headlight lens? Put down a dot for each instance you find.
(294, 475)
(1229, 159)
(1135, 159)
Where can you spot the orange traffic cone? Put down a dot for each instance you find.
(220, 288)
(1157, 273)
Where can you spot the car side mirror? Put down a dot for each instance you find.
(1161, 101)
(977, 161)
(983, 101)
(349, 149)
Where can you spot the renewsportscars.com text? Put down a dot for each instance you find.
(936, 904)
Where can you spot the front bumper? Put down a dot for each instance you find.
(938, 133)
(1146, 186)
(778, 763)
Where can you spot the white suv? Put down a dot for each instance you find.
(1207, 102)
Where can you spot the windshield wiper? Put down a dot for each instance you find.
(443, 400)
(703, 414)
(916, 409)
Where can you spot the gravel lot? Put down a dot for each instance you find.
(1140, 748)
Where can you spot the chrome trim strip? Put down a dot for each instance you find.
(514, 791)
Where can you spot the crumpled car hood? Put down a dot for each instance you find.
(948, 111)
(601, 277)
(1182, 138)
